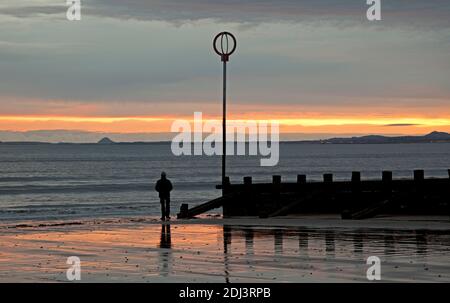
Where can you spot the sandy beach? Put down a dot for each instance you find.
(289, 249)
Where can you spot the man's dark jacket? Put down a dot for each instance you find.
(163, 187)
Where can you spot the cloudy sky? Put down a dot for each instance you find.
(134, 66)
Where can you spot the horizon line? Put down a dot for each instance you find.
(282, 140)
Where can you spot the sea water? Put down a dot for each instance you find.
(82, 181)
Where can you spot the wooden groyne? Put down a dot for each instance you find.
(353, 199)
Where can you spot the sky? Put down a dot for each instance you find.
(132, 67)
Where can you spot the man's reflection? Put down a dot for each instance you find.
(165, 241)
(165, 254)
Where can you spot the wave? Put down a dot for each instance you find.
(84, 222)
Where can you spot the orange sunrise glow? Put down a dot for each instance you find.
(288, 124)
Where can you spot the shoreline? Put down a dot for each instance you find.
(308, 221)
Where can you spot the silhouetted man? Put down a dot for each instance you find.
(164, 187)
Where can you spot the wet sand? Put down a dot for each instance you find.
(295, 249)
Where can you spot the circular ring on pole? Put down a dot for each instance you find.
(223, 49)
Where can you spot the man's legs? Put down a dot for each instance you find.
(163, 208)
(167, 208)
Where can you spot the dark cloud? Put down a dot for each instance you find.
(106, 59)
(226, 11)
(401, 124)
(412, 13)
(434, 13)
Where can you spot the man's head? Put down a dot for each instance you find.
(163, 174)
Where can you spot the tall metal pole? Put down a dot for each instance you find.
(224, 126)
(224, 50)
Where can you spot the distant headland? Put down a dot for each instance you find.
(433, 137)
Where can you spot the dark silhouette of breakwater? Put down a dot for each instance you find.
(353, 199)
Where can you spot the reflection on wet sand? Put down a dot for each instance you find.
(278, 243)
(421, 241)
(346, 246)
(249, 242)
(226, 243)
(358, 244)
(389, 243)
(303, 242)
(178, 252)
(362, 240)
(329, 243)
(165, 253)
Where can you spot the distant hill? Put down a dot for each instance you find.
(106, 140)
(433, 137)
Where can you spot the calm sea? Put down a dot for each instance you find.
(65, 182)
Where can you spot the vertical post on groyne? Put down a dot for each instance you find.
(184, 210)
(276, 180)
(276, 189)
(386, 176)
(301, 179)
(419, 175)
(356, 181)
(248, 184)
(248, 181)
(226, 185)
(328, 178)
(356, 177)
(386, 181)
(328, 189)
(356, 191)
(276, 183)
(248, 193)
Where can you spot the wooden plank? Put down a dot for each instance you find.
(285, 210)
(370, 211)
(202, 208)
